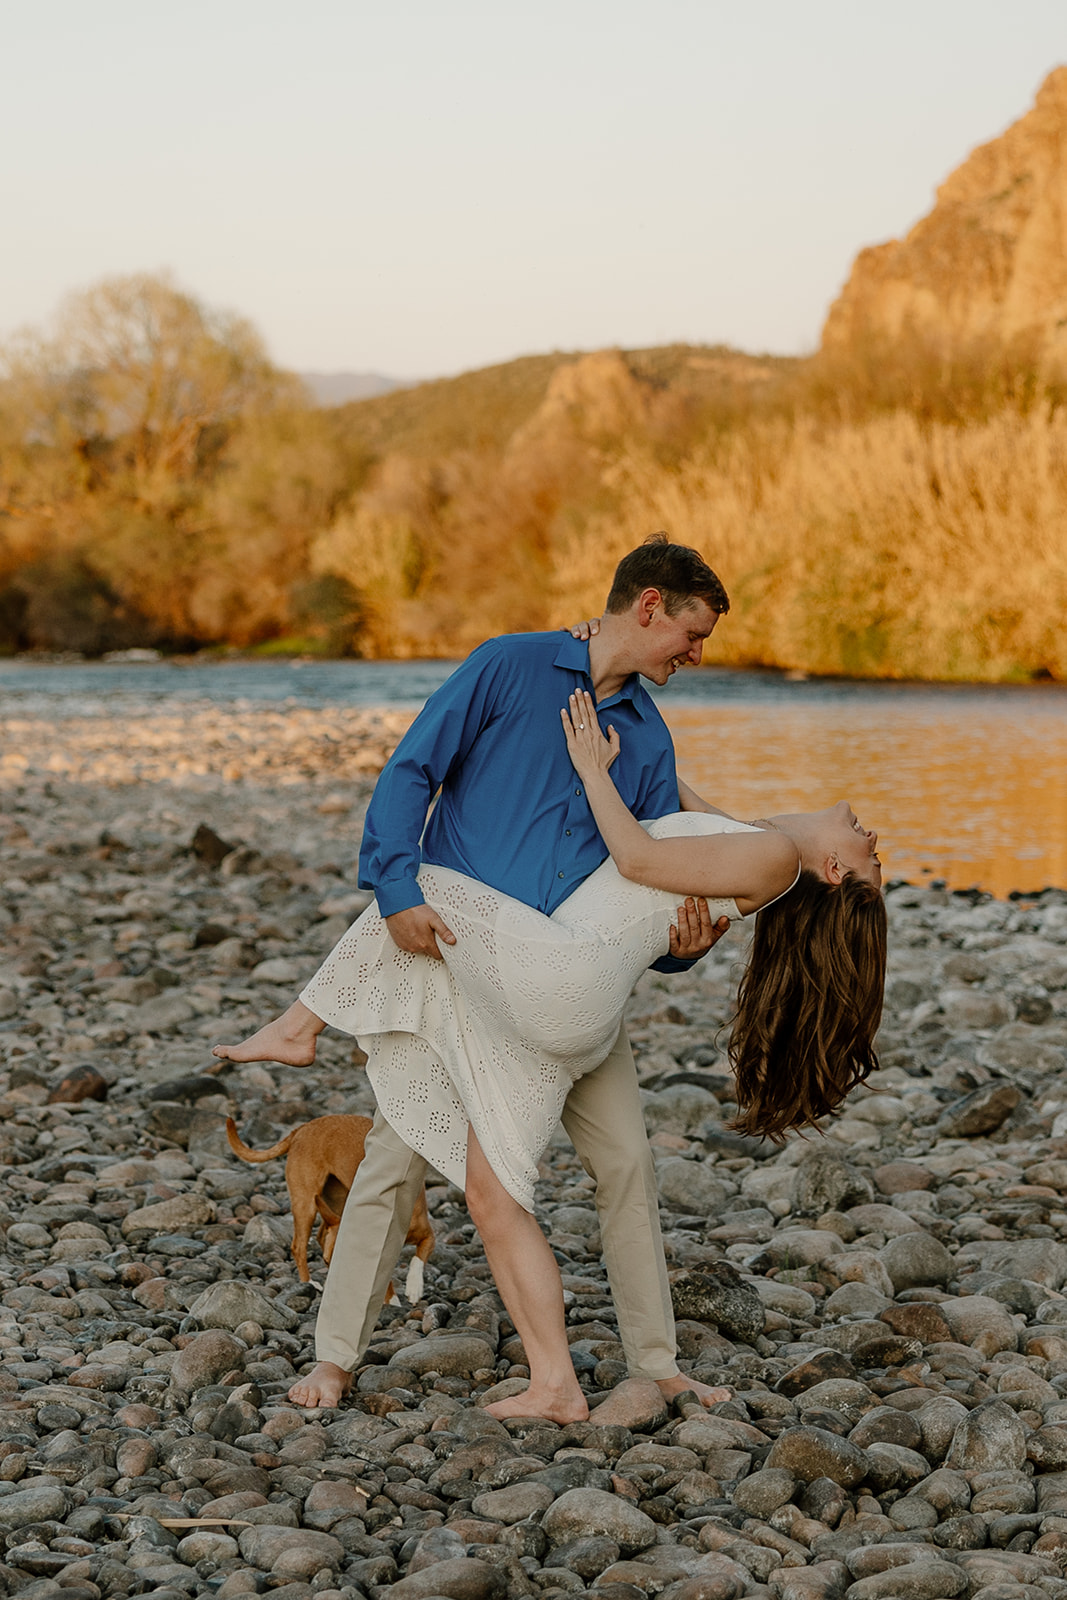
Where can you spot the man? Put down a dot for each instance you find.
(512, 814)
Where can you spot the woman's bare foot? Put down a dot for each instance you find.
(669, 1387)
(289, 1039)
(555, 1405)
(325, 1385)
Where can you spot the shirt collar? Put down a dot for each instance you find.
(573, 656)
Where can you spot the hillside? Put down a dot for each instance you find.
(337, 388)
(989, 261)
(483, 409)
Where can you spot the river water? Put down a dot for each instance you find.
(966, 783)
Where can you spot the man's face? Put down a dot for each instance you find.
(671, 642)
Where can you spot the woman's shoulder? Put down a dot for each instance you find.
(693, 824)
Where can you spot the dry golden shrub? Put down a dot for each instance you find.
(887, 547)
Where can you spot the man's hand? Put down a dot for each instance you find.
(586, 630)
(693, 935)
(418, 929)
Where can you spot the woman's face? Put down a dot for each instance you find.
(835, 843)
(855, 847)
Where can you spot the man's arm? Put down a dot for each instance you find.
(437, 741)
(691, 801)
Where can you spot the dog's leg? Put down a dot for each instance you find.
(413, 1286)
(303, 1209)
(421, 1235)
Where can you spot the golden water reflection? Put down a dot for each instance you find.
(977, 802)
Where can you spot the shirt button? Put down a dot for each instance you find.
(577, 791)
(559, 874)
(568, 833)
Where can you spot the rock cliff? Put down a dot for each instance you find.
(989, 261)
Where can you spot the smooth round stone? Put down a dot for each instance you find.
(460, 1354)
(206, 1358)
(918, 1580)
(917, 1321)
(916, 1259)
(169, 1216)
(812, 1453)
(580, 1513)
(514, 1503)
(856, 1300)
(40, 1503)
(947, 1491)
(852, 1399)
(206, 1544)
(976, 1320)
(938, 1419)
(30, 1235)
(329, 1503)
(290, 1552)
(991, 1436)
(587, 1557)
(717, 1294)
(962, 1533)
(910, 1513)
(880, 1218)
(1047, 1448)
(885, 1425)
(898, 1177)
(228, 1304)
(690, 1186)
(869, 1559)
(825, 1181)
(798, 1247)
(463, 1578)
(177, 1245)
(763, 1492)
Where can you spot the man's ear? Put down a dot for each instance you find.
(647, 602)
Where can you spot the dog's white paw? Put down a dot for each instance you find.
(413, 1286)
(394, 1299)
(315, 1284)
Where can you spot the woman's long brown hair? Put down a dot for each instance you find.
(809, 1005)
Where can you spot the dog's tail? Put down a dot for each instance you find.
(248, 1154)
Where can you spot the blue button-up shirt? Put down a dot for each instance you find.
(512, 811)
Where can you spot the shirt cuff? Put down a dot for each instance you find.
(674, 964)
(400, 894)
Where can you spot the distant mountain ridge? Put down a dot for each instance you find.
(338, 388)
(989, 261)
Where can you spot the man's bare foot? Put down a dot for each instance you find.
(565, 1404)
(669, 1387)
(289, 1039)
(325, 1385)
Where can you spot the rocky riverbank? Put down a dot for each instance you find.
(887, 1302)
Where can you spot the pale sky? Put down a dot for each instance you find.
(426, 186)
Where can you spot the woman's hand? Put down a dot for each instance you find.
(586, 630)
(587, 747)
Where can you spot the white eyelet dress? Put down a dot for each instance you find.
(494, 1035)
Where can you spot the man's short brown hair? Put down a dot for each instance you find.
(678, 572)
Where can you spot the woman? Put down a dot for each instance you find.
(522, 1004)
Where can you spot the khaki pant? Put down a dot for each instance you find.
(603, 1118)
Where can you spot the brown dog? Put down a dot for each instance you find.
(323, 1157)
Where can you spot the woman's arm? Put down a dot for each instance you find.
(750, 868)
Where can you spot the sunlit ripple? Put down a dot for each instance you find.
(970, 791)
